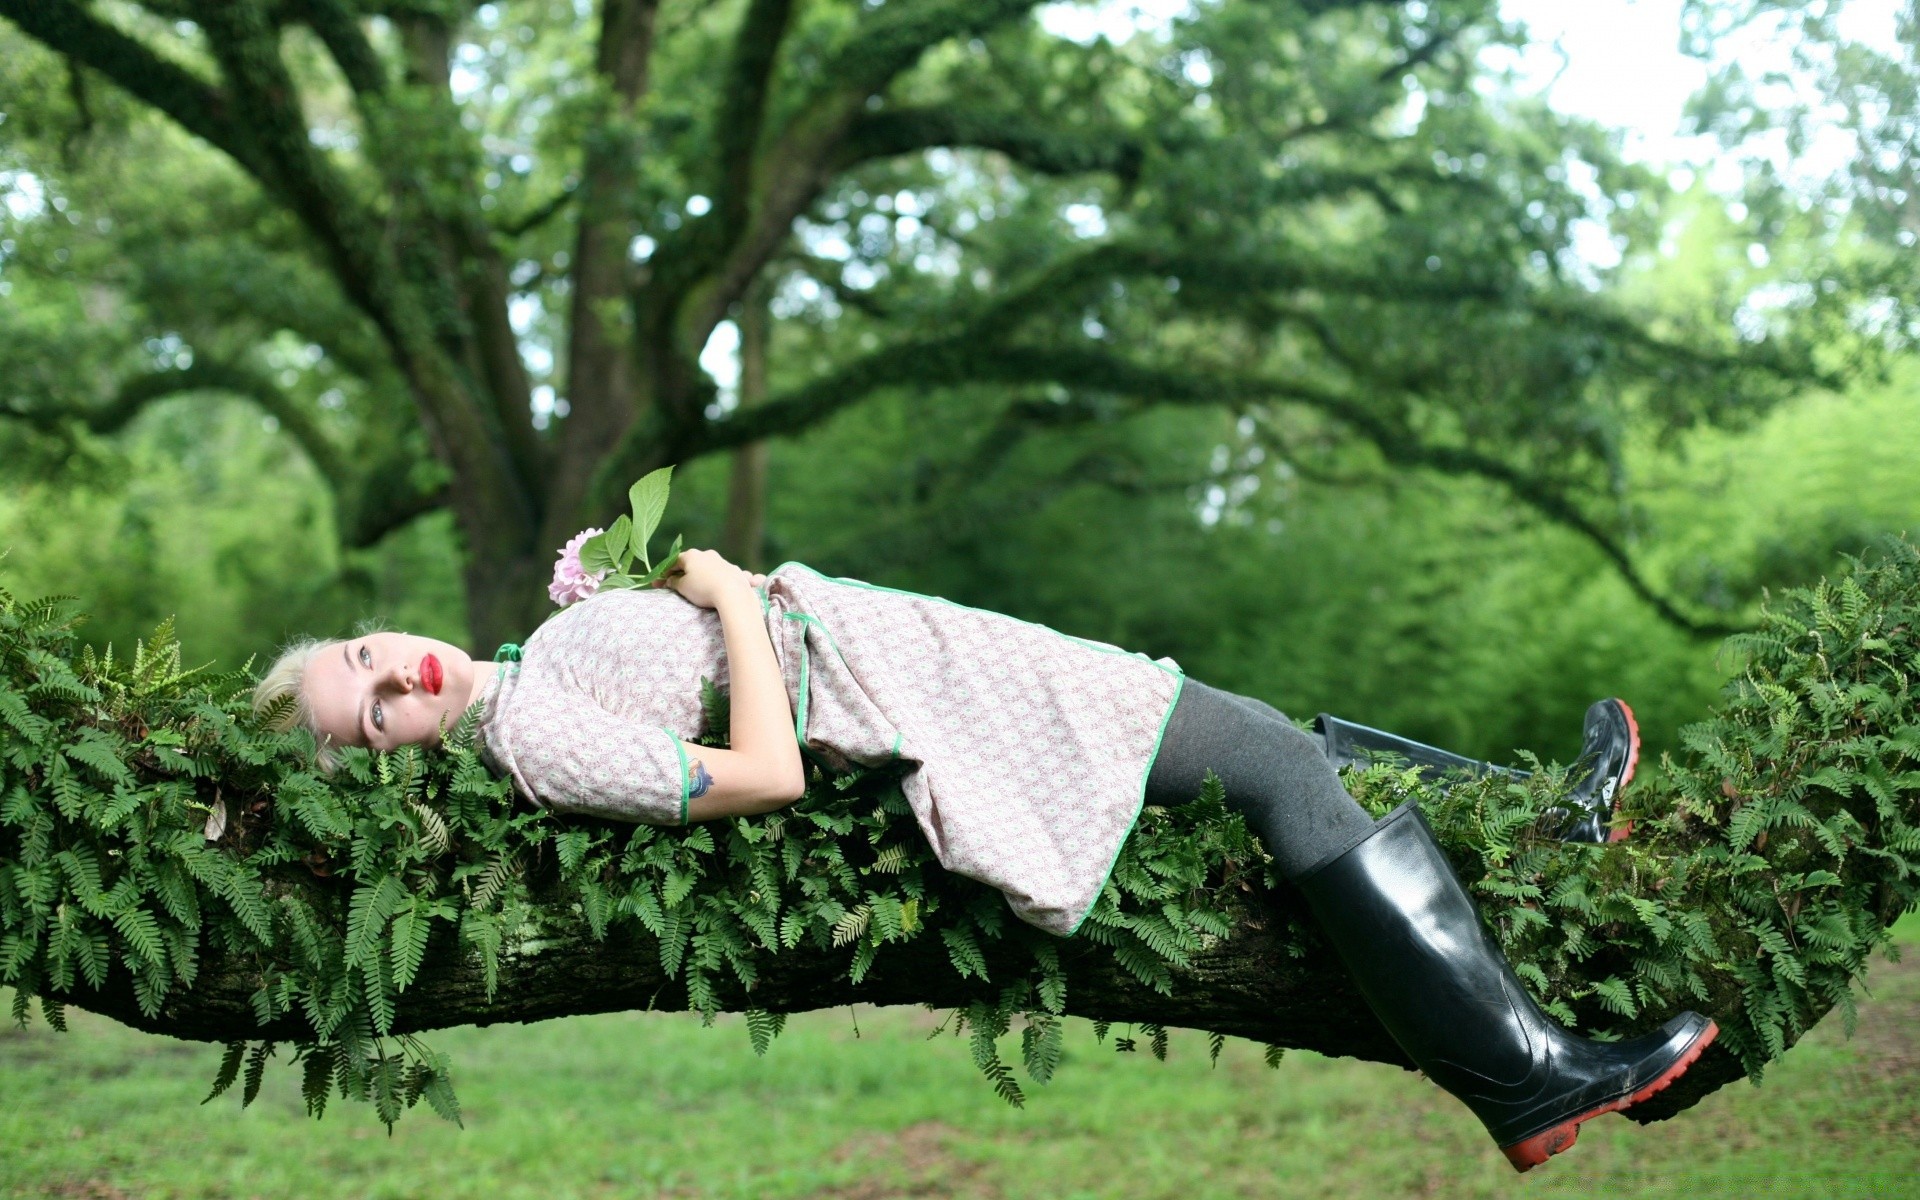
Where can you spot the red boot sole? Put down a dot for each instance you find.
(1621, 832)
(1540, 1147)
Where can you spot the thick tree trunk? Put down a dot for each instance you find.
(1246, 986)
(745, 539)
(506, 597)
(603, 391)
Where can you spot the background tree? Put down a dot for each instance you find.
(470, 257)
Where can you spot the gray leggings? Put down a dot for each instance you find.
(1275, 775)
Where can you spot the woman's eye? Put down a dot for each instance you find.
(366, 658)
(379, 718)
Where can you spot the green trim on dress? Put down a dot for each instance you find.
(686, 783)
(800, 710)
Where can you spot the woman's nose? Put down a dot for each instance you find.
(400, 678)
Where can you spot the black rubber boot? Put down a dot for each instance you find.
(1611, 751)
(1413, 941)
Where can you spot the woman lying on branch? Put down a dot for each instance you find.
(1030, 755)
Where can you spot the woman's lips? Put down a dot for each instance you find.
(430, 673)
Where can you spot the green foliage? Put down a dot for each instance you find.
(341, 891)
(1132, 240)
(1766, 869)
(626, 539)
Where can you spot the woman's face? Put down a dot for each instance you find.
(389, 689)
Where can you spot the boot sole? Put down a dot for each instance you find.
(1528, 1154)
(1624, 830)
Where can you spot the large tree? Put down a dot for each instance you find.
(470, 256)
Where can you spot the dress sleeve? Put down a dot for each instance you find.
(589, 761)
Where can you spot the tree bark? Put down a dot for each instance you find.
(745, 536)
(604, 395)
(1249, 985)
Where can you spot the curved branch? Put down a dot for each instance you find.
(963, 358)
(1111, 373)
(205, 375)
(379, 507)
(200, 108)
(1036, 145)
(1557, 507)
(978, 350)
(1232, 277)
(540, 215)
(339, 29)
(743, 109)
(1060, 284)
(702, 272)
(1400, 448)
(367, 513)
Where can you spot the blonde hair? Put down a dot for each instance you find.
(286, 678)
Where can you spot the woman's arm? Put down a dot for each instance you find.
(762, 770)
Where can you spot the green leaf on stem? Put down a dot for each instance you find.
(620, 543)
(649, 500)
(662, 567)
(595, 556)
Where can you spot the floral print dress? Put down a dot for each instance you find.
(1028, 749)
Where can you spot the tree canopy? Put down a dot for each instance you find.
(469, 257)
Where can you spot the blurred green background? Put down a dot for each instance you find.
(1302, 342)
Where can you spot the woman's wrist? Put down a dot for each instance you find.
(743, 597)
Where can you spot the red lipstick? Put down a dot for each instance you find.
(430, 673)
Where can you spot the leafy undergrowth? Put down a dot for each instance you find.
(1760, 877)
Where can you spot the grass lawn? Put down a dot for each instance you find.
(651, 1104)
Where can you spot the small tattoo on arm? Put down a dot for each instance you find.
(698, 780)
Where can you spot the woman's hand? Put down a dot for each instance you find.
(705, 578)
(761, 768)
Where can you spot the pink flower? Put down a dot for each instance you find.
(571, 581)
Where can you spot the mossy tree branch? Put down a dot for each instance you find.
(410, 894)
(986, 346)
(1047, 148)
(200, 107)
(374, 500)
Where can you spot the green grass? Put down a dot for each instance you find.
(646, 1104)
